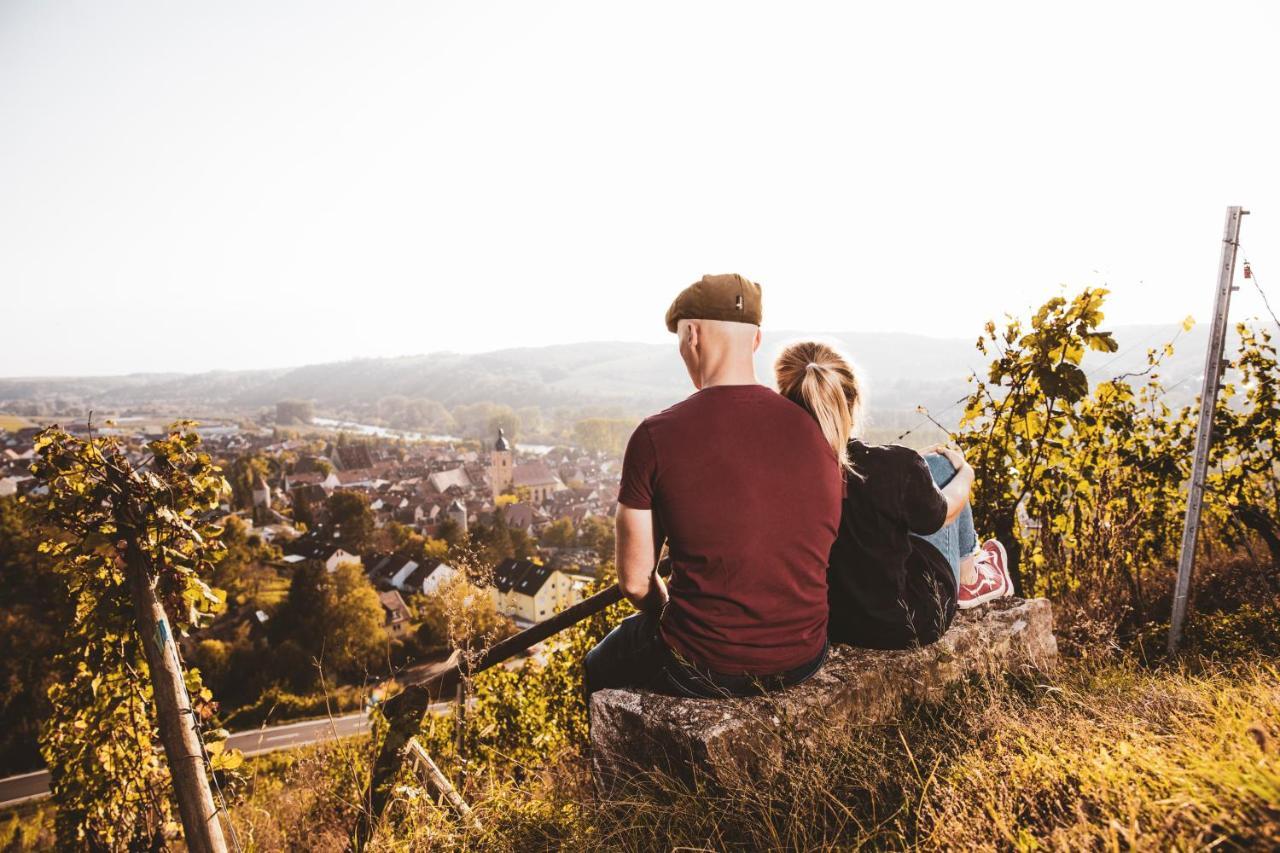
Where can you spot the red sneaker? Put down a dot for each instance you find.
(993, 577)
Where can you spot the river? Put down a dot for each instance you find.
(387, 432)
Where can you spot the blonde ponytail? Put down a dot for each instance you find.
(821, 380)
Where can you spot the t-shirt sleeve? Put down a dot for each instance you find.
(639, 470)
(924, 508)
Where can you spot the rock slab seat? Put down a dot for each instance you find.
(633, 731)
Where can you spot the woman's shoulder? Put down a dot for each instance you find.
(881, 455)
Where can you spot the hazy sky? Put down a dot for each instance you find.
(187, 186)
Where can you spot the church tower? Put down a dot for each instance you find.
(500, 468)
(458, 512)
(261, 500)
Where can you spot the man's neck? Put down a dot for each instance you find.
(736, 374)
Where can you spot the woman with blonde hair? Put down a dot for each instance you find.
(907, 554)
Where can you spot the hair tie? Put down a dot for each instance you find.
(813, 365)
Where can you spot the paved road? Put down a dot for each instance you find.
(30, 786)
(259, 741)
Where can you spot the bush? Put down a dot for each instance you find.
(277, 705)
(1245, 634)
(460, 614)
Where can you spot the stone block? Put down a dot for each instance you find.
(639, 730)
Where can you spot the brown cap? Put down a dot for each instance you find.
(717, 297)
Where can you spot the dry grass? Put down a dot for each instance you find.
(1104, 755)
(1108, 755)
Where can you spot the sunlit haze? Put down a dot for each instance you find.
(188, 186)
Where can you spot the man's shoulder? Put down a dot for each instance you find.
(676, 412)
(728, 397)
(731, 400)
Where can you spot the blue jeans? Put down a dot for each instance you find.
(958, 539)
(634, 655)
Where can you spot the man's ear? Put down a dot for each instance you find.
(691, 329)
(755, 344)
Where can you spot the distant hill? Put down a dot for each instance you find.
(902, 371)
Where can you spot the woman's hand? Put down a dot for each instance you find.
(954, 456)
(956, 491)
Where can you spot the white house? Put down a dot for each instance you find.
(428, 577)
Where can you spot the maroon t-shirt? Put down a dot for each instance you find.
(748, 493)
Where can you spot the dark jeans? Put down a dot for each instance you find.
(633, 655)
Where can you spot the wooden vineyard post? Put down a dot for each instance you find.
(405, 710)
(177, 721)
(440, 783)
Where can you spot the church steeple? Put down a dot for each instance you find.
(500, 465)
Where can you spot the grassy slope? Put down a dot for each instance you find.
(1098, 755)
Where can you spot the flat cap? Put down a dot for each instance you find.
(728, 296)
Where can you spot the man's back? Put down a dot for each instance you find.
(748, 493)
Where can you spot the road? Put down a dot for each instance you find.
(258, 741)
(30, 786)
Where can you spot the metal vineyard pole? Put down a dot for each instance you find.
(1213, 367)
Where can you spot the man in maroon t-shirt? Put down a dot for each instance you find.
(740, 484)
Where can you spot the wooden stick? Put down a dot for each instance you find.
(405, 710)
(432, 775)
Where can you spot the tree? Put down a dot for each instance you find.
(33, 606)
(597, 533)
(482, 420)
(1247, 453)
(435, 549)
(335, 620)
(1085, 487)
(349, 512)
(558, 534)
(400, 539)
(603, 435)
(530, 420)
(491, 543)
(290, 412)
(240, 553)
(415, 414)
(1018, 414)
(242, 474)
(131, 546)
(213, 658)
(522, 545)
(451, 533)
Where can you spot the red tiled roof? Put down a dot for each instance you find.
(533, 474)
